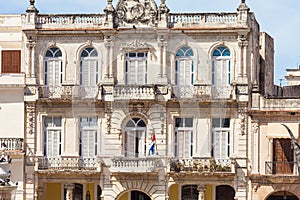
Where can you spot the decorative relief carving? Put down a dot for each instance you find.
(243, 121)
(30, 118)
(136, 45)
(136, 11)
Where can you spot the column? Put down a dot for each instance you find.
(160, 60)
(107, 56)
(245, 46)
(30, 71)
(110, 60)
(69, 188)
(164, 60)
(255, 145)
(240, 69)
(201, 190)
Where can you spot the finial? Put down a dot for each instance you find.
(243, 1)
(32, 8)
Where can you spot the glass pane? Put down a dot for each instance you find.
(178, 122)
(188, 122)
(84, 54)
(94, 53)
(49, 54)
(57, 121)
(58, 53)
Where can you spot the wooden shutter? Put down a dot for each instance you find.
(88, 139)
(283, 156)
(221, 144)
(53, 144)
(11, 61)
(130, 147)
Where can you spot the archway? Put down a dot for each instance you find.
(225, 192)
(134, 195)
(282, 195)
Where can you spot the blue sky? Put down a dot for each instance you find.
(279, 18)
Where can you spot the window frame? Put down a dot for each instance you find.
(184, 55)
(52, 129)
(138, 61)
(89, 130)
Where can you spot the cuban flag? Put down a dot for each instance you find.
(152, 146)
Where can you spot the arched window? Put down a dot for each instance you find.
(135, 138)
(221, 67)
(53, 71)
(184, 67)
(189, 192)
(89, 67)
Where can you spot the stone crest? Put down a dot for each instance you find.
(136, 12)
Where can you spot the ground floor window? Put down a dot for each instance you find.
(189, 192)
(224, 192)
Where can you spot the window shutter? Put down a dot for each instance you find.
(141, 72)
(11, 61)
(92, 78)
(130, 150)
(132, 72)
(221, 144)
(53, 144)
(85, 73)
(187, 144)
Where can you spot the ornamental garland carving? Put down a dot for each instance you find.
(136, 11)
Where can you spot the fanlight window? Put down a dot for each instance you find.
(53, 71)
(184, 67)
(89, 71)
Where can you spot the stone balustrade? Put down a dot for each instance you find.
(67, 163)
(138, 165)
(13, 144)
(134, 92)
(202, 165)
(287, 168)
(12, 80)
(70, 92)
(201, 19)
(70, 20)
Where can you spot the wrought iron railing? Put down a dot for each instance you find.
(202, 165)
(281, 167)
(67, 163)
(124, 164)
(15, 144)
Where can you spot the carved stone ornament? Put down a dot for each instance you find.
(136, 45)
(136, 11)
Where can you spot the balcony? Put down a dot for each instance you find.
(68, 163)
(69, 92)
(202, 165)
(134, 92)
(12, 80)
(281, 168)
(13, 144)
(135, 165)
(178, 20)
(71, 21)
(204, 92)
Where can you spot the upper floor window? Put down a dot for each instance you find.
(135, 138)
(89, 69)
(184, 67)
(88, 147)
(221, 138)
(221, 63)
(53, 67)
(184, 141)
(136, 68)
(52, 136)
(11, 61)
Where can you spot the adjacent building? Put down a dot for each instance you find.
(142, 103)
(12, 84)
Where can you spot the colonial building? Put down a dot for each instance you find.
(12, 84)
(143, 103)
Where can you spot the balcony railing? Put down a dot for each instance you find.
(70, 92)
(13, 144)
(281, 168)
(204, 92)
(138, 165)
(71, 21)
(134, 92)
(67, 163)
(201, 19)
(203, 165)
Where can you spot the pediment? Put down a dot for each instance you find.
(141, 13)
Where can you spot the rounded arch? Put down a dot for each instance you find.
(185, 51)
(221, 44)
(225, 192)
(282, 194)
(136, 191)
(129, 116)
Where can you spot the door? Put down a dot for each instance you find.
(283, 156)
(224, 192)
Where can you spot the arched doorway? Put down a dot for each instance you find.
(224, 192)
(134, 195)
(282, 195)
